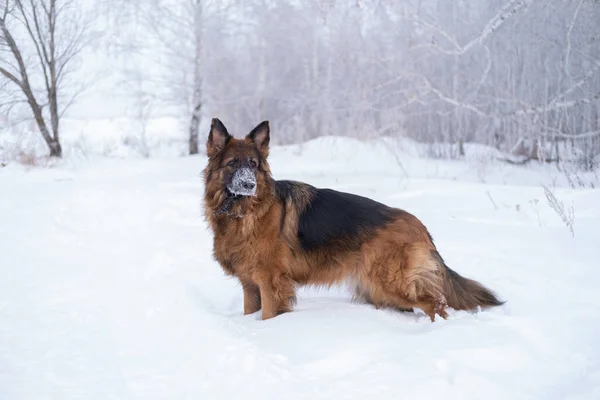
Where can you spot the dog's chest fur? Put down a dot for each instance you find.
(240, 243)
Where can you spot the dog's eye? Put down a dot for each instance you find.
(252, 163)
(232, 162)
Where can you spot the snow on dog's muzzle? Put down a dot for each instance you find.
(243, 183)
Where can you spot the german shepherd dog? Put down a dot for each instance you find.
(273, 235)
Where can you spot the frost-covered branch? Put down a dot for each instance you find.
(567, 215)
(569, 33)
(510, 10)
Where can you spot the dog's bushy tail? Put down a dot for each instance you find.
(465, 294)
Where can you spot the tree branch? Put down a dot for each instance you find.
(569, 31)
(511, 9)
(38, 43)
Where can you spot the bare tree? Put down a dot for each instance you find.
(196, 105)
(169, 35)
(38, 41)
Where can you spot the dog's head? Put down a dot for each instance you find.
(237, 172)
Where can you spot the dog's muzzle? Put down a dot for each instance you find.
(243, 183)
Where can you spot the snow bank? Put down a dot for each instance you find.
(166, 137)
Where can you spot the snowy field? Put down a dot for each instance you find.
(109, 289)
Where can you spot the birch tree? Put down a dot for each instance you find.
(168, 41)
(38, 41)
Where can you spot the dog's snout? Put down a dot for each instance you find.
(243, 182)
(248, 185)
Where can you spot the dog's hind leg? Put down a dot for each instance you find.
(379, 299)
(428, 303)
(422, 281)
(433, 306)
(407, 279)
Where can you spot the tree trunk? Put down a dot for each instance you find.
(197, 96)
(194, 128)
(52, 140)
(55, 149)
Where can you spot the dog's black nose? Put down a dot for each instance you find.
(248, 185)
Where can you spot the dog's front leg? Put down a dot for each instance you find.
(276, 292)
(252, 302)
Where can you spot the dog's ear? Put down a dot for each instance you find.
(260, 136)
(217, 138)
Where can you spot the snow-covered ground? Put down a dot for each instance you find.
(109, 289)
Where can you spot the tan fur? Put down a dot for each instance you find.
(397, 267)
